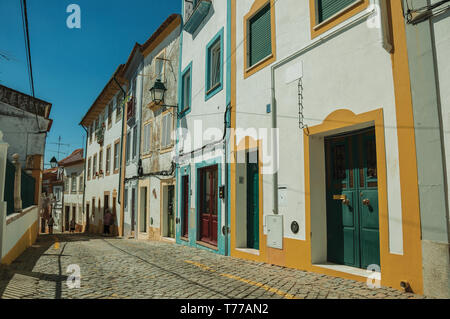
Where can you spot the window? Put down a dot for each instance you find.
(66, 184)
(147, 138)
(166, 130)
(186, 90)
(89, 168)
(73, 188)
(326, 14)
(328, 8)
(108, 160)
(214, 58)
(127, 151)
(260, 36)
(91, 129)
(94, 166)
(110, 111)
(116, 156)
(81, 183)
(100, 162)
(160, 66)
(135, 136)
(118, 100)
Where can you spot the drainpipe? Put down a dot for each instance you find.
(288, 59)
(121, 153)
(85, 170)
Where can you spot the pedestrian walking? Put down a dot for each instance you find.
(50, 224)
(72, 225)
(107, 221)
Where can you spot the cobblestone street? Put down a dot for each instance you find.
(119, 268)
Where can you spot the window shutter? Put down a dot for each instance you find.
(260, 36)
(328, 8)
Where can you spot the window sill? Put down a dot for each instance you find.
(259, 66)
(213, 91)
(338, 14)
(166, 150)
(337, 18)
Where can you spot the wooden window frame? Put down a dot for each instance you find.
(148, 153)
(211, 90)
(183, 109)
(100, 163)
(94, 166)
(257, 6)
(73, 178)
(170, 146)
(89, 168)
(341, 16)
(108, 160)
(116, 144)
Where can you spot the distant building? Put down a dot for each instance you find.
(103, 124)
(73, 177)
(53, 185)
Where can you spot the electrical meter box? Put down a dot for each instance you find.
(274, 231)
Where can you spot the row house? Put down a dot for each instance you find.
(203, 101)
(325, 174)
(156, 188)
(72, 168)
(132, 73)
(428, 47)
(53, 186)
(104, 123)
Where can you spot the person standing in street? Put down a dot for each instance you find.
(50, 224)
(107, 222)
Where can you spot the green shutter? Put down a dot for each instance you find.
(260, 36)
(328, 8)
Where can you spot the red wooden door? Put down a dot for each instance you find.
(208, 205)
(185, 217)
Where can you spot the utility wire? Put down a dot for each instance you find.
(23, 4)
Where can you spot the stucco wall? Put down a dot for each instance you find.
(20, 232)
(96, 188)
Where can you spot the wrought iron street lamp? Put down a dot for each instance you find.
(158, 92)
(53, 162)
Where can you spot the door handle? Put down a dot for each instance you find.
(366, 202)
(343, 198)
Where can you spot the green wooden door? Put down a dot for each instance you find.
(252, 204)
(352, 200)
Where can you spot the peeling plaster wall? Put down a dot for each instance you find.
(18, 127)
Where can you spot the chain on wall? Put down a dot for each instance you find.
(301, 117)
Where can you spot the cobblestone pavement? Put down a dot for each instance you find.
(120, 268)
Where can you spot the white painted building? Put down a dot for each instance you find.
(156, 196)
(336, 185)
(72, 202)
(203, 100)
(103, 123)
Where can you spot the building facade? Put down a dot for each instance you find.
(73, 176)
(428, 45)
(53, 186)
(132, 72)
(156, 195)
(325, 177)
(203, 105)
(104, 124)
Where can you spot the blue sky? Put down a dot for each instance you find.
(71, 66)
